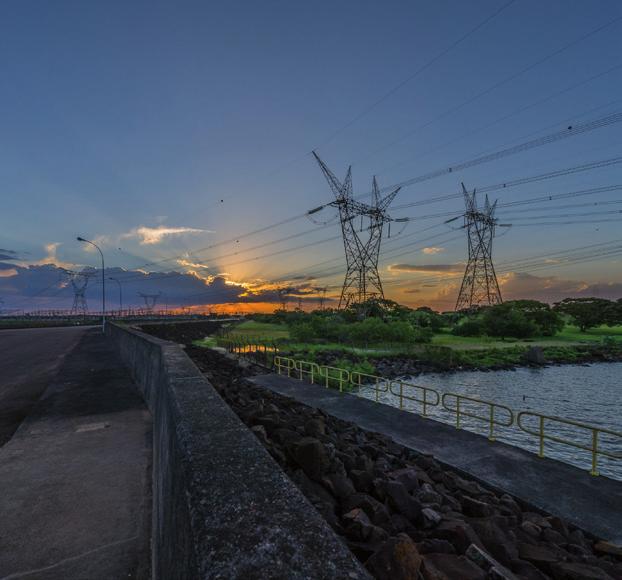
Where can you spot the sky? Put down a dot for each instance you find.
(175, 135)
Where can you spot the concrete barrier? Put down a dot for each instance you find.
(222, 507)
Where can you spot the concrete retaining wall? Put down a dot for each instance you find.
(222, 507)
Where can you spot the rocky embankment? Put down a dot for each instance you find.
(403, 514)
(399, 366)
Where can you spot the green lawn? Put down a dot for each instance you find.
(571, 335)
(260, 330)
(568, 336)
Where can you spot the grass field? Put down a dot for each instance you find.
(260, 330)
(569, 336)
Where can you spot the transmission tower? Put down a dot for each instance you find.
(150, 300)
(323, 297)
(479, 285)
(362, 281)
(79, 282)
(282, 292)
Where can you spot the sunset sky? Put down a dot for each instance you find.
(177, 136)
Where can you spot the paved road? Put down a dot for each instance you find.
(75, 493)
(28, 359)
(591, 503)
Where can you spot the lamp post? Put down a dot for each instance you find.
(120, 294)
(103, 280)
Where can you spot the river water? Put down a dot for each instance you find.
(587, 394)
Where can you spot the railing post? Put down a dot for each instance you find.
(425, 401)
(492, 423)
(457, 411)
(594, 452)
(541, 449)
(401, 395)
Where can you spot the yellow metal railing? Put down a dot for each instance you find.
(430, 397)
(281, 362)
(495, 415)
(593, 431)
(378, 384)
(489, 418)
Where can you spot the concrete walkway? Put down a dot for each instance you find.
(592, 503)
(29, 357)
(75, 477)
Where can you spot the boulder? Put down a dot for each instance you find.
(408, 477)
(486, 562)
(260, 433)
(357, 524)
(431, 518)
(397, 558)
(551, 535)
(458, 533)
(376, 511)
(362, 479)
(402, 501)
(450, 567)
(496, 538)
(537, 554)
(315, 427)
(558, 525)
(537, 519)
(608, 548)
(532, 529)
(310, 454)
(432, 545)
(575, 571)
(428, 495)
(340, 485)
(528, 571)
(475, 508)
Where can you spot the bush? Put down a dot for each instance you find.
(470, 327)
(505, 320)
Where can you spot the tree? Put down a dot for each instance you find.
(587, 312)
(505, 320)
(425, 317)
(548, 321)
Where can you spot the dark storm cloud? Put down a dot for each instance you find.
(8, 254)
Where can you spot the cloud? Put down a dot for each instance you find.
(51, 257)
(432, 250)
(45, 285)
(8, 254)
(149, 236)
(189, 264)
(517, 285)
(413, 291)
(438, 268)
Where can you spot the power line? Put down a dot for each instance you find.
(414, 75)
(520, 181)
(501, 83)
(539, 142)
(505, 117)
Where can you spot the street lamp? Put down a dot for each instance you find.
(120, 295)
(103, 280)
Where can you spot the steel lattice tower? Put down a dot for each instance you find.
(362, 281)
(150, 300)
(479, 285)
(79, 282)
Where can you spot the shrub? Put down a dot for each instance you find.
(470, 327)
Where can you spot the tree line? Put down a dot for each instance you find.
(385, 321)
